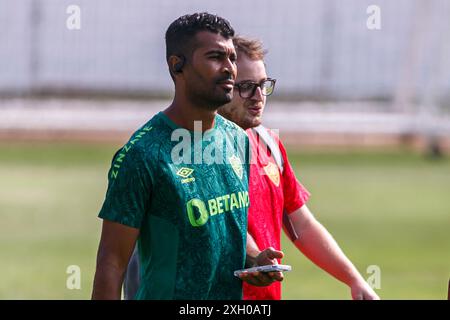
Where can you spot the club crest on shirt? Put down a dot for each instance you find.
(272, 172)
(236, 164)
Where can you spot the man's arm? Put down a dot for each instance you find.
(252, 251)
(316, 243)
(116, 246)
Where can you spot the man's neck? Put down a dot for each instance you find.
(184, 114)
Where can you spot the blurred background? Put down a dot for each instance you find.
(362, 103)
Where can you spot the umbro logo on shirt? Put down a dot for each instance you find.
(185, 173)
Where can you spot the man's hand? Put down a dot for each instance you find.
(362, 291)
(262, 279)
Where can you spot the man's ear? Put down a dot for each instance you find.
(176, 64)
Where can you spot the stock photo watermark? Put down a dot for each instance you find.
(73, 21)
(207, 148)
(73, 281)
(373, 21)
(374, 280)
(218, 149)
(198, 147)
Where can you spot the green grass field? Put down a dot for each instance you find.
(386, 209)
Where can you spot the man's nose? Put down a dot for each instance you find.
(230, 68)
(258, 96)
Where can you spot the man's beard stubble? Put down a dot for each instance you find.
(210, 99)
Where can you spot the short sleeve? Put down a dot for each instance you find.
(295, 194)
(129, 188)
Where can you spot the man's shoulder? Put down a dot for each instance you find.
(272, 134)
(229, 125)
(147, 139)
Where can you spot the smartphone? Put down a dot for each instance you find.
(267, 268)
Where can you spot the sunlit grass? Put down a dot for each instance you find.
(386, 209)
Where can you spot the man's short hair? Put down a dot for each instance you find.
(181, 32)
(252, 48)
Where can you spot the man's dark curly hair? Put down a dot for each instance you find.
(181, 32)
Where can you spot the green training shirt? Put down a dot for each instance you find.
(189, 198)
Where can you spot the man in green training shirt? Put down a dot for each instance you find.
(179, 187)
